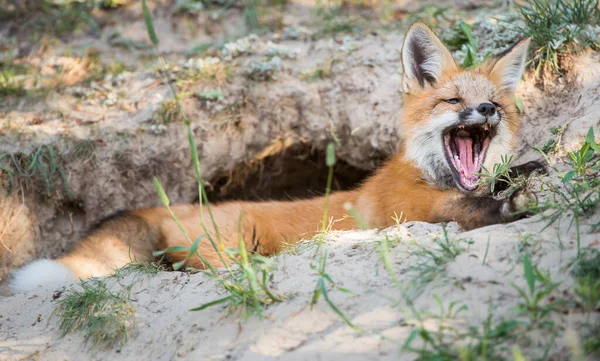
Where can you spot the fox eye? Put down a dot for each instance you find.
(452, 101)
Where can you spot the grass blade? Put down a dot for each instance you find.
(212, 303)
(591, 140)
(161, 192)
(323, 290)
(529, 275)
(177, 265)
(169, 250)
(149, 26)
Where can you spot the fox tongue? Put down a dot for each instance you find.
(464, 147)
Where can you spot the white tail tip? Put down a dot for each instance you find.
(43, 273)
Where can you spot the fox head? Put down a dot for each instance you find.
(457, 119)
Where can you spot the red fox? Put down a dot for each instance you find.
(454, 120)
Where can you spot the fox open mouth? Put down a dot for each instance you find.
(466, 148)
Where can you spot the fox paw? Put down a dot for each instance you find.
(518, 205)
(523, 170)
(528, 169)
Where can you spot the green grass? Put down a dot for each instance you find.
(553, 144)
(588, 264)
(500, 173)
(137, 267)
(322, 71)
(490, 340)
(215, 74)
(22, 78)
(168, 112)
(324, 281)
(461, 38)
(84, 150)
(338, 25)
(578, 196)
(535, 298)
(433, 259)
(210, 95)
(587, 291)
(11, 82)
(246, 277)
(43, 167)
(586, 270)
(559, 28)
(55, 18)
(104, 317)
(450, 334)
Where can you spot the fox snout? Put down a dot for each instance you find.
(486, 109)
(482, 114)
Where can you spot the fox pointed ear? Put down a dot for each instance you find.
(424, 58)
(508, 66)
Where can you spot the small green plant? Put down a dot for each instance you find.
(58, 17)
(105, 317)
(210, 95)
(581, 160)
(322, 71)
(196, 6)
(552, 145)
(558, 28)
(384, 252)
(43, 165)
(462, 39)
(168, 113)
(323, 278)
(439, 344)
(500, 173)
(251, 14)
(579, 195)
(247, 291)
(592, 344)
(264, 70)
(10, 82)
(587, 264)
(432, 260)
(587, 291)
(586, 270)
(85, 150)
(539, 288)
(338, 24)
(324, 281)
(138, 267)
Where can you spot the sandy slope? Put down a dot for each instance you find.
(291, 331)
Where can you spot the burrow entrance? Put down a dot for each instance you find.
(298, 172)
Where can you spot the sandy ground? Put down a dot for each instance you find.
(360, 104)
(167, 330)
